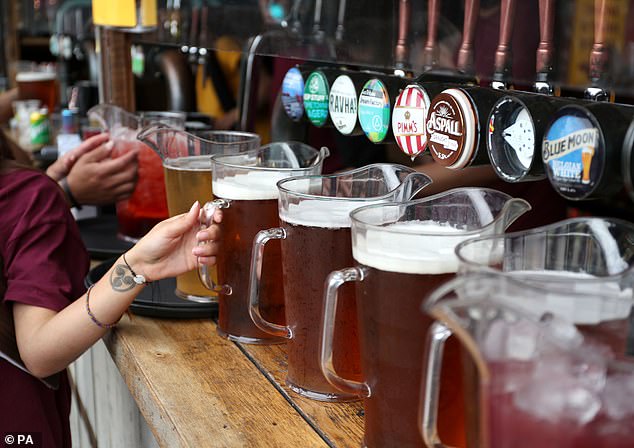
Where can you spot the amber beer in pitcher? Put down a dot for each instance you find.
(253, 207)
(186, 161)
(315, 229)
(402, 252)
(187, 180)
(245, 188)
(317, 241)
(389, 300)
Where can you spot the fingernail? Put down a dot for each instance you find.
(109, 145)
(193, 206)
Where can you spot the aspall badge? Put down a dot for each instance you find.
(316, 98)
(451, 129)
(342, 104)
(374, 110)
(293, 94)
(408, 120)
(573, 152)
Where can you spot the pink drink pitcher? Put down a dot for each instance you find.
(147, 205)
(541, 382)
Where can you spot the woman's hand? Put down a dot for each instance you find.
(62, 166)
(172, 246)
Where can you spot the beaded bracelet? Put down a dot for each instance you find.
(92, 316)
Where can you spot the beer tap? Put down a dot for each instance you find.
(544, 57)
(430, 51)
(409, 116)
(599, 55)
(193, 38)
(458, 117)
(341, 16)
(465, 53)
(401, 52)
(502, 73)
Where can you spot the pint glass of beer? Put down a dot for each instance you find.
(186, 168)
(401, 252)
(38, 82)
(315, 232)
(147, 205)
(245, 187)
(579, 255)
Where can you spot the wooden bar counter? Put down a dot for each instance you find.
(195, 388)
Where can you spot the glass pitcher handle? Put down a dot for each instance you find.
(333, 282)
(206, 218)
(432, 366)
(255, 276)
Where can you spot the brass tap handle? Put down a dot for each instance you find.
(599, 53)
(545, 49)
(465, 53)
(503, 51)
(401, 52)
(430, 52)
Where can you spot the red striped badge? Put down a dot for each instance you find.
(408, 120)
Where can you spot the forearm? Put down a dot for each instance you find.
(6, 108)
(62, 337)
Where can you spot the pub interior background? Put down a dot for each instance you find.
(222, 62)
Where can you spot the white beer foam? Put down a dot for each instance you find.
(577, 296)
(327, 214)
(253, 185)
(423, 247)
(34, 76)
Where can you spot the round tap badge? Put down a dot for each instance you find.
(511, 139)
(573, 152)
(342, 104)
(451, 129)
(374, 110)
(293, 94)
(316, 98)
(408, 120)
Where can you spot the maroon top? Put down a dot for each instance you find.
(45, 263)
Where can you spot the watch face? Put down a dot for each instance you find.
(511, 139)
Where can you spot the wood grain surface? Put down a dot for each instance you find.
(197, 389)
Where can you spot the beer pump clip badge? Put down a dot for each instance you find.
(408, 120)
(374, 110)
(573, 152)
(293, 94)
(316, 98)
(451, 129)
(511, 138)
(342, 104)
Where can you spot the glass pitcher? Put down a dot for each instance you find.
(576, 255)
(245, 187)
(315, 233)
(400, 252)
(541, 383)
(147, 205)
(186, 165)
